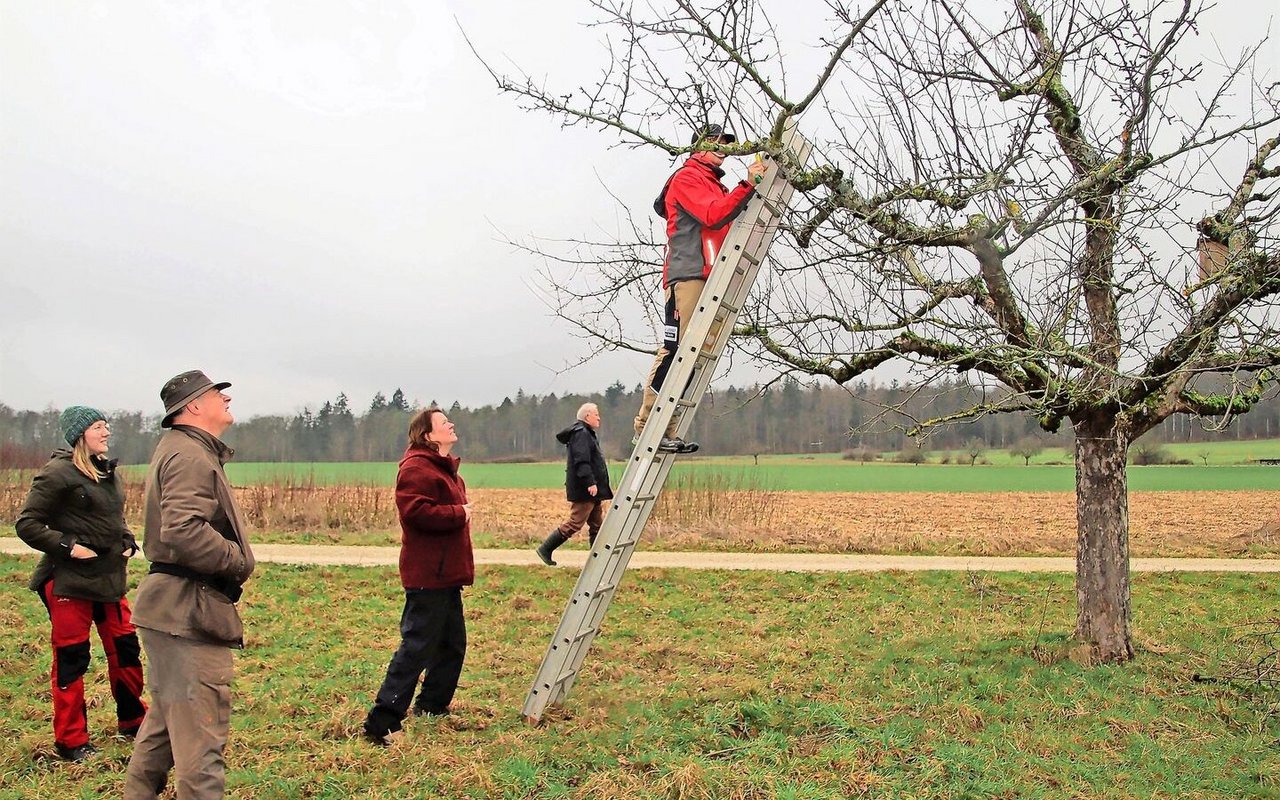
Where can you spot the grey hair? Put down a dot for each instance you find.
(585, 409)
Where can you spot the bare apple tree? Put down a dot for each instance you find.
(1071, 202)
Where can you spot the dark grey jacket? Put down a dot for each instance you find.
(584, 465)
(66, 507)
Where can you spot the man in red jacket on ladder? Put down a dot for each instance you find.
(698, 209)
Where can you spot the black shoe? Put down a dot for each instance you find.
(677, 445)
(130, 732)
(75, 753)
(376, 739)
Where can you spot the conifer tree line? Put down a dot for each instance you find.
(783, 417)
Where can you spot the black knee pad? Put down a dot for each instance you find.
(72, 662)
(128, 707)
(128, 654)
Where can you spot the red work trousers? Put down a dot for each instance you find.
(71, 618)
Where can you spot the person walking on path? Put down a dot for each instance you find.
(74, 514)
(200, 558)
(586, 482)
(436, 562)
(698, 209)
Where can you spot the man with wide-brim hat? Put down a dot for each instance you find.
(182, 389)
(185, 610)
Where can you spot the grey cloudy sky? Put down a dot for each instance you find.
(301, 198)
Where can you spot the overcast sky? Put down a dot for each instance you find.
(302, 198)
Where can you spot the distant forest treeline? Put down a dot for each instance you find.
(784, 417)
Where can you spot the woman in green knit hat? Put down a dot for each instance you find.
(74, 514)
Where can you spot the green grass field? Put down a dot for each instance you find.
(714, 685)
(799, 473)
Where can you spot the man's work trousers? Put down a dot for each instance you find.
(588, 512)
(190, 716)
(71, 618)
(433, 639)
(681, 302)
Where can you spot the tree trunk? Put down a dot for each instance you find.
(1102, 549)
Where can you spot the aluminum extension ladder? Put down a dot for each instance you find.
(698, 352)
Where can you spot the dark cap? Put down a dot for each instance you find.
(182, 389)
(712, 132)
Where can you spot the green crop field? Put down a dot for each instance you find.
(714, 685)
(798, 473)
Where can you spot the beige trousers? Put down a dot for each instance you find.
(687, 294)
(186, 727)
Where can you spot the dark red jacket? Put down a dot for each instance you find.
(698, 209)
(435, 536)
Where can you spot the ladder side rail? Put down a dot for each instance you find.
(570, 646)
(615, 569)
(765, 205)
(693, 348)
(604, 563)
(751, 235)
(647, 470)
(758, 236)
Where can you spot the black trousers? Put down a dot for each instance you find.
(433, 639)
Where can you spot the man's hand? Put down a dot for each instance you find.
(755, 172)
(591, 490)
(466, 511)
(81, 552)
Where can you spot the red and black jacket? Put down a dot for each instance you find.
(698, 209)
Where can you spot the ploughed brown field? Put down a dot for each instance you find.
(1203, 524)
(1170, 524)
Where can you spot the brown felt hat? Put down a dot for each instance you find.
(182, 389)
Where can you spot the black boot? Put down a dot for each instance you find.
(549, 545)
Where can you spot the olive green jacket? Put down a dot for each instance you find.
(65, 507)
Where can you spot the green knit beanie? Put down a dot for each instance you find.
(75, 420)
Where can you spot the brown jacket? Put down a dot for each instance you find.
(192, 522)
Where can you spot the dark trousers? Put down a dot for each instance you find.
(71, 618)
(433, 639)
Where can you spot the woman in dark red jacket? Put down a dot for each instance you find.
(435, 563)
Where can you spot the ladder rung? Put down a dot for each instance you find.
(748, 256)
(564, 676)
(644, 498)
(599, 590)
(580, 635)
(682, 403)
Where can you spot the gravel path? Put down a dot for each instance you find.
(778, 562)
